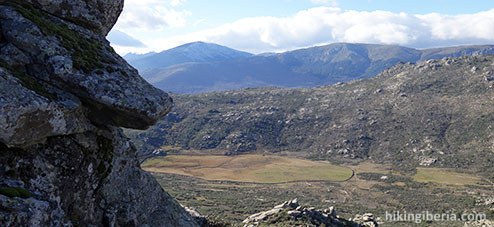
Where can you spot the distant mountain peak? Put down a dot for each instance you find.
(194, 52)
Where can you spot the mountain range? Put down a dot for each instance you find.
(203, 67)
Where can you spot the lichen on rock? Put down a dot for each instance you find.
(97, 15)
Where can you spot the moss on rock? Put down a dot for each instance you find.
(105, 153)
(29, 82)
(86, 52)
(15, 192)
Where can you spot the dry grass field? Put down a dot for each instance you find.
(248, 168)
(445, 176)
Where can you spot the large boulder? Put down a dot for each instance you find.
(75, 60)
(97, 15)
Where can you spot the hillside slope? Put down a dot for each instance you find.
(309, 67)
(436, 113)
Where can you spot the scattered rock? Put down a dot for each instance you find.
(484, 223)
(427, 161)
(366, 220)
(311, 215)
(294, 213)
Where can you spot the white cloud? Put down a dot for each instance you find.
(151, 15)
(324, 25)
(332, 3)
(177, 2)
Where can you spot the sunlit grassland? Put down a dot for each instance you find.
(248, 168)
(445, 176)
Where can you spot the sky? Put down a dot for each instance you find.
(259, 26)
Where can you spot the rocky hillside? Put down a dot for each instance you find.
(63, 94)
(436, 113)
(316, 66)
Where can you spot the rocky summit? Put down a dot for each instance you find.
(64, 93)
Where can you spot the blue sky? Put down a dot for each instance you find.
(278, 25)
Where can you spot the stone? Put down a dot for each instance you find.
(85, 66)
(427, 161)
(283, 205)
(367, 217)
(366, 220)
(294, 213)
(330, 211)
(97, 15)
(279, 216)
(293, 204)
(26, 117)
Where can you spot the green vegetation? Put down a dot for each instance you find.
(248, 168)
(105, 154)
(105, 148)
(15, 192)
(29, 82)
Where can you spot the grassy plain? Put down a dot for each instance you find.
(445, 176)
(233, 187)
(248, 168)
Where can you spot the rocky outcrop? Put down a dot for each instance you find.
(56, 54)
(365, 220)
(63, 94)
(97, 15)
(290, 213)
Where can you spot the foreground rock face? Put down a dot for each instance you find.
(97, 15)
(63, 94)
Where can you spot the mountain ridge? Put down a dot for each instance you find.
(186, 53)
(308, 67)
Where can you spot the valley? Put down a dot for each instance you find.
(417, 137)
(217, 186)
